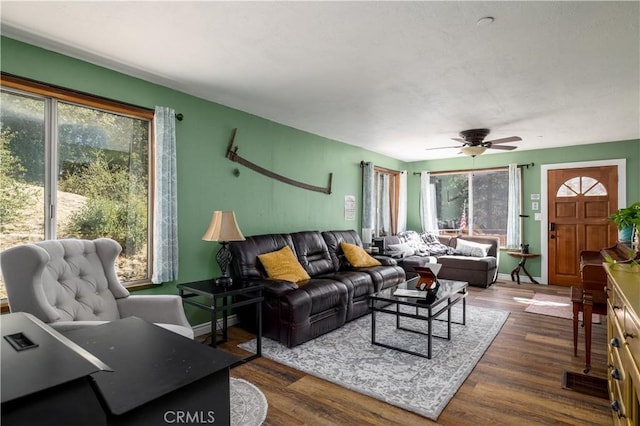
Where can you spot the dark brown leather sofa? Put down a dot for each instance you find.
(294, 313)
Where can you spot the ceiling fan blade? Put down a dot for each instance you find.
(502, 147)
(505, 140)
(443, 147)
(459, 140)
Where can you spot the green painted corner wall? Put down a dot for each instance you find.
(206, 179)
(531, 182)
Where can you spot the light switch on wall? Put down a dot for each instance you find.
(534, 205)
(537, 216)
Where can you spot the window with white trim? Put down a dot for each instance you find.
(473, 202)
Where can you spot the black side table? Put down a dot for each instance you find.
(223, 300)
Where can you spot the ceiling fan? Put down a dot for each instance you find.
(473, 142)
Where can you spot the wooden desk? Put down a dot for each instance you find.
(49, 382)
(157, 374)
(523, 259)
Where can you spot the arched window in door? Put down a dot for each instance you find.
(581, 185)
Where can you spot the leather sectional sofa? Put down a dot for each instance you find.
(294, 313)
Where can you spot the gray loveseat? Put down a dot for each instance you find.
(463, 258)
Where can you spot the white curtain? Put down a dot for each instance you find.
(428, 207)
(402, 203)
(368, 196)
(385, 205)
(513, 208)
(165, 209)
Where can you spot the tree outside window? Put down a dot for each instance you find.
(73, 170)
(473, 203)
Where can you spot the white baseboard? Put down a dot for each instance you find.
(205, 327)
(525, 279)
(504, 277)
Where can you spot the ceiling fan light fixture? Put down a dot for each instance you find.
(473, 150)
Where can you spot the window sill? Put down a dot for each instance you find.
(139, 286)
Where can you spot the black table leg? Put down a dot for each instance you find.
(464, 309)
(449, 320)
(259, 337)
(225, 314)
(430, 333)
(515, 273)
(528, 274)
(214, 325)
(373, 327)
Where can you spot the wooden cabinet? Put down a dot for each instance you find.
(623, 355)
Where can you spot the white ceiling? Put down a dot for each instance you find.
(393, 77)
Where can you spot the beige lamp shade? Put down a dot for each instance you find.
(223, 227)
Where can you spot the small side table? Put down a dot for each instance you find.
(523, 259)
(222, 300)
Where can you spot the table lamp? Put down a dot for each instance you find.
(223, 228)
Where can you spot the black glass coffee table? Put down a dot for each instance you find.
(385, 301)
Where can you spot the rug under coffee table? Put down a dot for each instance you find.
(449, 294)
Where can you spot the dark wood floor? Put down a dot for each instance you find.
(517, 381)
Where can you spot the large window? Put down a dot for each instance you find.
(73, 166)
(387, 193)
(473, 203)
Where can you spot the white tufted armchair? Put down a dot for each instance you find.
(72, 283)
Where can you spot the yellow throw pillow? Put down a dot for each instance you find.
(357, 257)
(283, 265)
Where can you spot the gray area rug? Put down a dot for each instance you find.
(347, 357)
(248, 403)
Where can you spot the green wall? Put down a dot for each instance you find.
(531, 181)
(206, 180)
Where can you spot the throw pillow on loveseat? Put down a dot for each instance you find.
(473, 259)
(411, 250)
